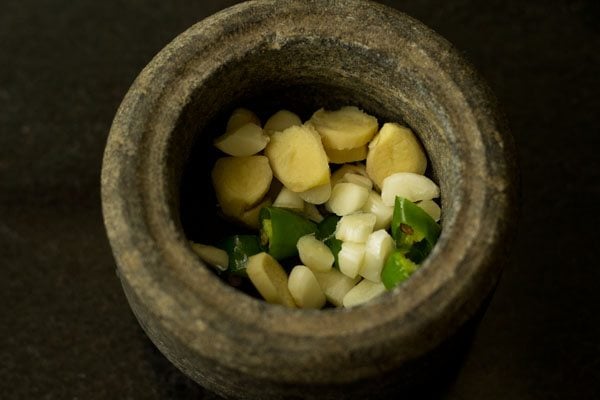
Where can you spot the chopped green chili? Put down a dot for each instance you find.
(326, 228)
(397, 269)
(419, 251)
(239, 248)
(326, 233)
(281, 229)
(413, 229)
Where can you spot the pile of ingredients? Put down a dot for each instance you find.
(342, 209)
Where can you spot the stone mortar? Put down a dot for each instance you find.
(302, 55)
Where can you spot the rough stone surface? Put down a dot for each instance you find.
(301, 56)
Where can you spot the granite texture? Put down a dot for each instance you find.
(67, 329)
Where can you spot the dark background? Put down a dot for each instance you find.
(66, 331)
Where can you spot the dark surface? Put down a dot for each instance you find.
(66, 330)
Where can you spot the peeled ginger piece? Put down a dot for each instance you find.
(343, 129)
(281, 120)
(240, 117)
(363, 292)
(394, 149)
(270, 279)
(250, 217)
(298, 158)
(248, 140)
(346, 156)
(335, 285)
(305, 289)
(240, 183)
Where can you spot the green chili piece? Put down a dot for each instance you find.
(397, 269)
(412, 225)
(239, 248)
(326, 233)
(326, 228)
(419, 251)
(335, 245)
(281, 229)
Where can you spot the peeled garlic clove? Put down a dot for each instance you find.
(338, 175)
(211, 255)
(350, 258)
(413, 187)
(358, 179)
(378, 247)
(431, 208)
(383, 213)
(288, 199)
(335, 285)
(281, 120)
(363, 292)
(317, 195)
(270, 279)
(240, 117)
(355, 227)
(314, 253)
(347, 198)
(305, 288)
